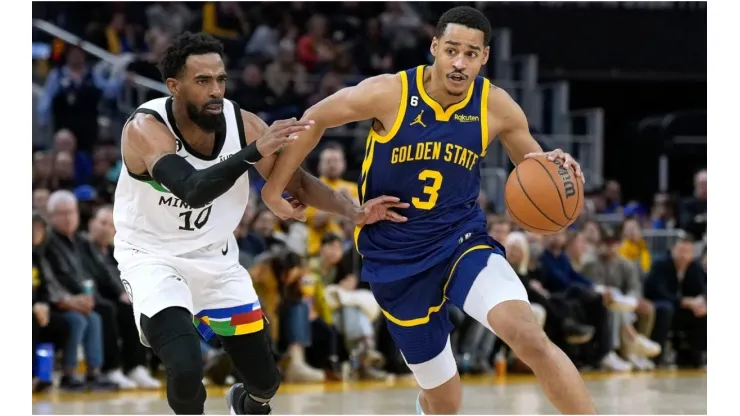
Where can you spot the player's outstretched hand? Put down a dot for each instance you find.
(280, 133)
(566, 158)
(379, 209)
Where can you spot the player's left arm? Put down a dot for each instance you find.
(309, 190)
(507, 120)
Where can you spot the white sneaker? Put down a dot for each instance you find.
(622, 303)
(303, 373)
(116, 377)
(641, 363)
(645, 347)
(143, 379)
(613, 362)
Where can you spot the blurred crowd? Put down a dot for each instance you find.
(608, 291)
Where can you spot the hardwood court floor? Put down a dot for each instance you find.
(662, 392)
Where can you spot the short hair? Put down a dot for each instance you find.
(330, 238)
(59, 197)
(185, 45)
(332, 146)
(468, 17)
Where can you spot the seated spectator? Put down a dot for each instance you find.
(692, 211)
(40, 199)
(91, 318)
(63, 172)
(278, 281)
(41, 173)
(592, 234)
(557, 319)
(558, 276)
(261, 235)
(252, 94)
(97, 254)
(315, 49)
(575, 249)
(499, 228)
(662, 215)
(634, 247)
(621, 280)
(287, 81)
(679, 281)
(65, 141)
(612, 198)
(353, 310)
(49, 324)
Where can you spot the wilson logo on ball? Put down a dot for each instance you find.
(568, 186)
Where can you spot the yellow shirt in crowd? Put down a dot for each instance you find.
(637, 252)
(332, 226)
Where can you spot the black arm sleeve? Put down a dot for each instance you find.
(199, 187)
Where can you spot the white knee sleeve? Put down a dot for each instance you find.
(496, 283)
(437, 371)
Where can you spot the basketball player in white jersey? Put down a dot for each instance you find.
(183, 193)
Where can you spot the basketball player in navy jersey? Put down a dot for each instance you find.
(432, 126)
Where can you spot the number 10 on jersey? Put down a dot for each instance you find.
(200, 220)
(430, 190)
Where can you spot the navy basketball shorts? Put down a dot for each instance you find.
(475, 279)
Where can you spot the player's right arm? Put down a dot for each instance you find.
(148, 146)
(374, 98)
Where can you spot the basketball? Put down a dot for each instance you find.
(542, 196)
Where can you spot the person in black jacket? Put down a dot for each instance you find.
(97, 255)
(84, 308)
(48, 323)
(680, 282)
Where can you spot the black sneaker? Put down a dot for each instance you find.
(576, 333)
(70, 383)
(98, 383)
(237, 396)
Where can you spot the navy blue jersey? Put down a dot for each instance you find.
(429, 158)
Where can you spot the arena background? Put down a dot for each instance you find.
(621, 86)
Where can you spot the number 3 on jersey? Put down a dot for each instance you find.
(200, 220)
(431, 190)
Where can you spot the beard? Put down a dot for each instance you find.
(206, 121)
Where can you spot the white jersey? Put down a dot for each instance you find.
(147, 216)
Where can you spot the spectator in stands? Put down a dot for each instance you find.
(41, 174)
(72, 90)
(315, 50)
(575, 249)
(63, 171)
(49, 324)
(621, 279)
(145, 64)
(278, 281)
(252, 93)
(74, 298)
(172, 18)
(634, 247)
(499, 229)
(330, 83)
(558, 319)
(120, 36)
(332, 165)
(372, 53)
(98, 256)
(228, 22)
(612, 198)
(662, 215)
(352, 311)
(66, 256)
(246, 259)
(287, 81)
(680, 281)
(558, 277)
(261, 235)
(65, 141)
(40, 199)
(692, 212)
(592, 234)
(101, 181)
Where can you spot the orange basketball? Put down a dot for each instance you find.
(542, 196)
